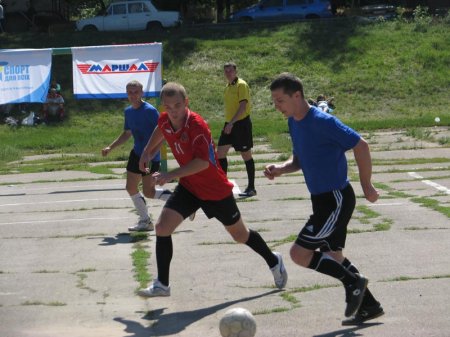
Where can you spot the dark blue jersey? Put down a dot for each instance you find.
(320, 141)
(141, 122)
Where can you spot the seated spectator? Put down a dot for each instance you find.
(53, 107)
(325, 104)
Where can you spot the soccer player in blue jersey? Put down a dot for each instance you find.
(141, 118)
(319, 142)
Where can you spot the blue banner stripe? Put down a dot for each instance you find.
(113, 95)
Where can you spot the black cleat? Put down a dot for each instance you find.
(249, 192)
(355, 294)
(365, 313)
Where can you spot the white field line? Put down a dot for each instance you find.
(66, 187)
(386, 204)
(60, 220)
(60, 201)
(430, 183)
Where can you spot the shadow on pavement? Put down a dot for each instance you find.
(348, 332)
(118, 239)
(170, 324)
(88, 190)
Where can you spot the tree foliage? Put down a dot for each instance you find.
(86, 8)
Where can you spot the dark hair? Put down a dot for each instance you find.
(321, 98)
(230, 64)
(171, 89)
(134, 84)
(288, 82)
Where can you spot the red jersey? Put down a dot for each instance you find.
(194, 140)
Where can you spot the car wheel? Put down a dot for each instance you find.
(154, 26)
(89, 28)
(312, 16)
(245, 19)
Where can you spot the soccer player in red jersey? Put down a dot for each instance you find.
(202, 184)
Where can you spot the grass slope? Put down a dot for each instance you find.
(382, 75)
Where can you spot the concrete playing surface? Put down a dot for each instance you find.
(66, 266)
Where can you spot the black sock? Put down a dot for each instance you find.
(164, 251)
(224, 164)
(326, 265)
(368, 299)
(257, 243)
(250, 166)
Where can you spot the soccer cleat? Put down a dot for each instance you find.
(280, 275)
(143, 225)
(365, 313)
(355, 294)
(249, 192)
(157, 289)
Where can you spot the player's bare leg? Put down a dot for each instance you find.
(251, 238)
(132, 187)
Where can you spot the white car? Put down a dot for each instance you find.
(131, 15)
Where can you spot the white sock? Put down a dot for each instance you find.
(162, 194)
(140, 205)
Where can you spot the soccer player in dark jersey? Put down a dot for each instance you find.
(140, 120)
(202, 184)
(319, 142)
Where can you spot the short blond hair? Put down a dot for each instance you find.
(172, 89)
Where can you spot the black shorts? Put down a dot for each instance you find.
(133, 164)
(327, 226)
(240, 137)
(185, 203)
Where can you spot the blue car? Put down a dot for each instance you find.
(284, 10)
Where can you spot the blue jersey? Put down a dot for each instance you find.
(141, 122)
(320, 141)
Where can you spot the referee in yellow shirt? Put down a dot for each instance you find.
(237, 131)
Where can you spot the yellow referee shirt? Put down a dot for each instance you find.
(236, 92)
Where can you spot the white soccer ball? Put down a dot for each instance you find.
(437, 119)
(237, 322)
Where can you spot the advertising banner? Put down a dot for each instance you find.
(24, 75)
(104, 71)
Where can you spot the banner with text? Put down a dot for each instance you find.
(104, 71)
(24, 75)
